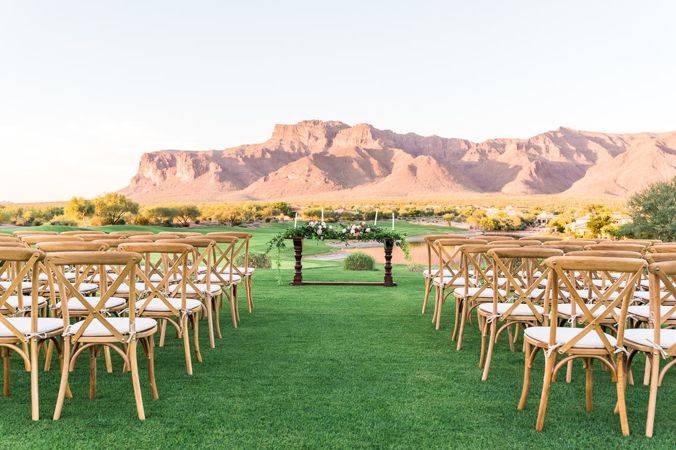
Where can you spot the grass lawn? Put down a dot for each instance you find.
(318, 366)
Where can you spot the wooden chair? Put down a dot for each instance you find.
(245, 271)
(543, 239)
(120, 334)
(81, 232)
(524, 271)
(36, 239)
(526, 242)
(182, 233)
(32, 232)
(431, 271)
(224, 275)
(208, 292)
(20, 334)
(91, 236)
(448, 276)
(589, 343)
(493, 238)
(479, 288)
(658, 341)
(8, 238)
(125, 234)
(167, 301)
(662, 248)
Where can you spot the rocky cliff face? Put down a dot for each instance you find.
(316, 157)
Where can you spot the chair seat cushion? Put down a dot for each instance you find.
(70, 276)
(645, 337)
(13, 301)
(643, 311)
(124, 288)
(521, 310)
(566, 309)
(427, 273)
(448, 280)
(565, 334)
(158, 305)
(486, 293)
(199, 288)
(121, 324)
(645, 295)
(74, 304)
(25, 285)
(82, 288)
(23, 324)
(224, 276)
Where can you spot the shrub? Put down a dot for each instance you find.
(111, 209)
(653, 212)
(256, 260)
(359, 261)
(64, 221)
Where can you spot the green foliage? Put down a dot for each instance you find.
(256, 260)
(78, 208)
(359, 261)
(186, 214)
(113, 208)
(653, 212)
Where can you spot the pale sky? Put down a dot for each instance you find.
(87, 86)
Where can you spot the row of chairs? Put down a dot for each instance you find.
(572, 298)
(74, 292)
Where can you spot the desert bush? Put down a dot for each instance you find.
(256, 260)
(64, 220)
(78, 208)
(653, 213)
(113, 208)
(359, 261)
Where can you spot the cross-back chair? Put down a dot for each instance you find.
(32, 232)
(81, 232)
(96, 329)
(130, 233)
(21, 334)
(590, 342)
(658, 340)
(165, 273)
(522, 304)
(243, 270)
(662, 248)
(431, 272)
(223, 274)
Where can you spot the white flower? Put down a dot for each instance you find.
(368, 230)
(319, 231)
(344, 230)
(324, 224)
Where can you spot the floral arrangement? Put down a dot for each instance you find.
(320, 230)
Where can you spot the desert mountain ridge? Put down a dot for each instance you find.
(324, 159)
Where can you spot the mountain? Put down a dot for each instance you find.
(320, 158)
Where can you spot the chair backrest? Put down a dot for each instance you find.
(525, 270)
(91, 236)
(448, 256)
(181, 233)
(126, 267)
(81, 232)
(8, 238)
(223, 260)
(527, 242)
(651, 257)
(130, 233)
(606, 253)
(203, 254)
(17, 264)
(543, 239)
(71, 246)
(32, 232)
(566, 248)
(169, 261)
(241, 249)
(662, 248)
(582, 242)
(493, 238)
(639, 248)
(32, 240)
(16, 244)
(662, 279)
(617, 295)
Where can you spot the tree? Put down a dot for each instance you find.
(598, 223)
(112, 208)
(185, 214)
(161, 215)
(653, 212)
(79, 208)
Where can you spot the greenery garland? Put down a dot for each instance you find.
(318, 230)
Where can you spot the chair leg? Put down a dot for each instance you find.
(491, 346)
(456, 322)
(550, 361)
(464, 312)
(426, 296)
(647, 371)
(437, 319)
(217, 314)
(621, 387)
(136, 384)
(249, 297)
(6, 372)
(35, 392)
(588, 384)
(151, 367)
(63, 385)
(49, 349)
(526, 377)
(92, 372)
(196, 337)
(483, 326)
(233, 308)
(186, 343)
(163, 332)
(652, 399)
(210, 320)
(108, 361)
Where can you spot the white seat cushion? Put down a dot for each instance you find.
(645, 295)
(70, 276)
(521, 310)
(121, 324)
(584, 294)
(83, 287)
(13, 301)
(565, 309)
(446, 281)
(23, 324)
(158, 305)
(565, 334)
(201, 289)
(486, 293)
(25, 285)
(644, 336)
(74, 304)
(224, 276)
(643, 311)
(428, 273)
(124, 288)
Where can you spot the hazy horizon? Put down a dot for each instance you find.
(88, 87)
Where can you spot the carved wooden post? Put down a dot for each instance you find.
(298, 254)
(389, 245)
